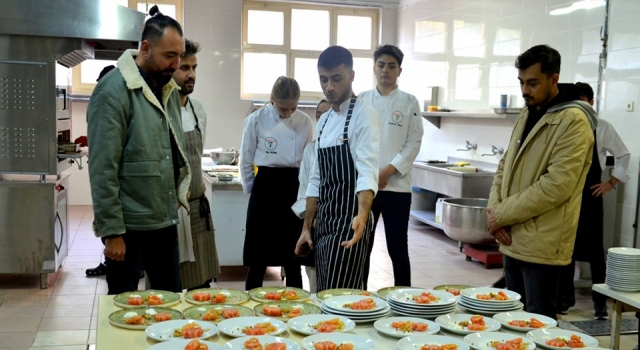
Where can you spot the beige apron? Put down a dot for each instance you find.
(206, 266)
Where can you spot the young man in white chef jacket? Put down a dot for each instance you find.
(401, 136)
(344, 178)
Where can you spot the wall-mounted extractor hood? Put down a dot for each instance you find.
(71, 30)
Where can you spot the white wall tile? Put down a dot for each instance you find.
(198, 6)
(626, 35)
(197, 23)
(623, 9)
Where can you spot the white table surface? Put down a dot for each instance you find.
(619, 298)
(629, 298)
(110, 337)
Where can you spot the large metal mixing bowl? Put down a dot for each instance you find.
(225, 157)
(465, 220)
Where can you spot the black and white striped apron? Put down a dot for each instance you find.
(206, 267)
(337, 267)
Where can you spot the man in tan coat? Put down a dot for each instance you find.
(534, 203)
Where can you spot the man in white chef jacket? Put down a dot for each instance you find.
(344, 179)
(401, 136)
(589, 245)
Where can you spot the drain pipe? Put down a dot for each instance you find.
(604, 36)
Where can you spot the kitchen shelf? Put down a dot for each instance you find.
(76, 155)
(426, 216)
(510, 114)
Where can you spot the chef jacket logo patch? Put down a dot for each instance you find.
(270, 143)
(397, 118)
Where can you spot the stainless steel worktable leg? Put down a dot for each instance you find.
(616, 320)
(44, 280)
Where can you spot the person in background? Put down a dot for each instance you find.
(140, 175)
(589, 239)
(299, 207)
(274, 139)
(198, 254)
(534, 201)
(101, 269)
(344, 178)
(400, 140)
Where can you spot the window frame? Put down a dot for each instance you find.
(86, 89)
(292, 54)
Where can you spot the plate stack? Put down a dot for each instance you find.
(403, 303)
(340, 306)
(623, 269)
(470, 300)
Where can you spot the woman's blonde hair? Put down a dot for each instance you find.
(285, 89)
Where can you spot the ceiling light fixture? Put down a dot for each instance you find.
(580, 5)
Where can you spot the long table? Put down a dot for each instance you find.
(619, 299)
(110, 337)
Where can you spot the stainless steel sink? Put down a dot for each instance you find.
(457, 184)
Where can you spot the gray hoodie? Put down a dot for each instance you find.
(584, 106)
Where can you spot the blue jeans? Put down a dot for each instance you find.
(536, 283)
(394, 208)
(157, 251)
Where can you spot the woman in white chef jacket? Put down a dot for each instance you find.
(300, 206)
(274, 139)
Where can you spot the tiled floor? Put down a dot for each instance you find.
(63, 317)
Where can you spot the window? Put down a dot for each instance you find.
(286, 39)
(86, 73)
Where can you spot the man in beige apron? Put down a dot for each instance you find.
(198, 255)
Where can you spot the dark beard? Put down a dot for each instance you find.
(163, 77)
(184, 90)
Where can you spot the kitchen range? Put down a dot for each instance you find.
(36, 147)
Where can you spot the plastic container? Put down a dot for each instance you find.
(439, 210)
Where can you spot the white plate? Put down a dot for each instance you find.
(409, 314)
(384, 326)
(472, 292)
(304, 324)
(540, 337)
(491, 306)
(233, 326)
(626, 252)
(359, 342)
(238, 343)
(415, 342)
(482, 341)
(364, 319)
(505, 317)
(464, 304)
(337, 303)
(330, 311)
(626, 277)
(405, 297)
(397, 305)
(348, 313)
(421, 311)
(181, 344)
(163, 331)
(450, 323)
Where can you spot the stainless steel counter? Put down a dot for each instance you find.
(33, 215)
(229, 213)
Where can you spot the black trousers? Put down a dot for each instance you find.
(598, 274)
(394, 208)
(256, 275)
(157, 251)
(536, 283)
